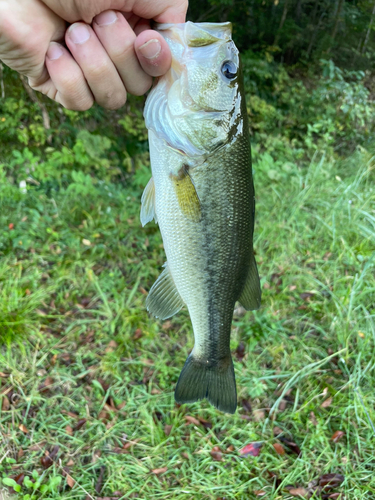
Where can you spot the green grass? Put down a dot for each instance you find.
(73, 314)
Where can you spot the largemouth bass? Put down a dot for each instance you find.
(201, 193)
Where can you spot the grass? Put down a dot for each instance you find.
(85, 368)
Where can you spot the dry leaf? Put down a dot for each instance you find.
(23, 428)
(206, 424)
(252, 449)
(337, 436)
(291, 445)
(313, 418)
(299, 492)
(259, 493)
(326, 403)
(259, 415)
(279, 449)
(191, 420)
(70, 463)
(70, 481)
(217, 455)
(5, 405)
(159, 471)
(20, 454)
(329, 481)
(277, 431)
(87, 243)
(69, 430)
(80, 424)
(167, 429)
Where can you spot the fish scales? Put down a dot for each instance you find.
(203, 199)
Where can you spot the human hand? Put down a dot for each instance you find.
(103, 61)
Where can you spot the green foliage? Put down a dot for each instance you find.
(298, 31)
(331, 109)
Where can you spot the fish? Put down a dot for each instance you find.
(201, 194)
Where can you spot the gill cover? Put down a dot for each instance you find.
(196, 104)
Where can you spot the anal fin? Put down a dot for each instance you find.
(251, 294)
(164, 301)
(148, 203)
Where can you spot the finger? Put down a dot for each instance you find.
(67, 84)
(117, 37)
(100, 73)
(153, 53)
(163, 11)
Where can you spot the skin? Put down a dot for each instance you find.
(85, 51)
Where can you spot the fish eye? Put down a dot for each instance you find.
(229, 70)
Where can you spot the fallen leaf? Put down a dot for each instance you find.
(70, 481)
(69, 430)
(299, 492)
(5, 405)
(70, 413)
(20, 454)
(19, 479)
(282, 405)
(87, 243)
(159, 471)
(329, 481)
(70, 463)
(46, 462)
(99, 484)
(192, 420)
(291, 445)
(259, 415)
(337, 436)
(206, 424)
(313, 418)
(277, 431)
(279, 449)
(80, 424)
(277, 481)
(11, 226)
(240, 351)
(230, 449)
(185, 455)
(259, 493)
(138, 333)
(246, 405)
(167, 429)
(326, 403)
(216, 455)
(23, 428)
(252, 449)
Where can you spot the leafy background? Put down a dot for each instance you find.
(87, 377)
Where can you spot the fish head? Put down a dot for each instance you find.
(196, 106)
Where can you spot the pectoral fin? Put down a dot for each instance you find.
(186, 194)
(251, 294)
(164, 301)
(148, 203)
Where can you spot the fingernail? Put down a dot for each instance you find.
(79, 33)
(106, 18)
(150, 49)
(54, 51)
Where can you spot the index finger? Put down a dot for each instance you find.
(163, 11)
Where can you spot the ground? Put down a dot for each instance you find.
(87, 376)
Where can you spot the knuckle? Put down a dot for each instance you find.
(141, 88)
(115, 101)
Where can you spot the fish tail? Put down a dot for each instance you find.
(215, 381)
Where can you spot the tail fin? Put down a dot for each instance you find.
(214, 381)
